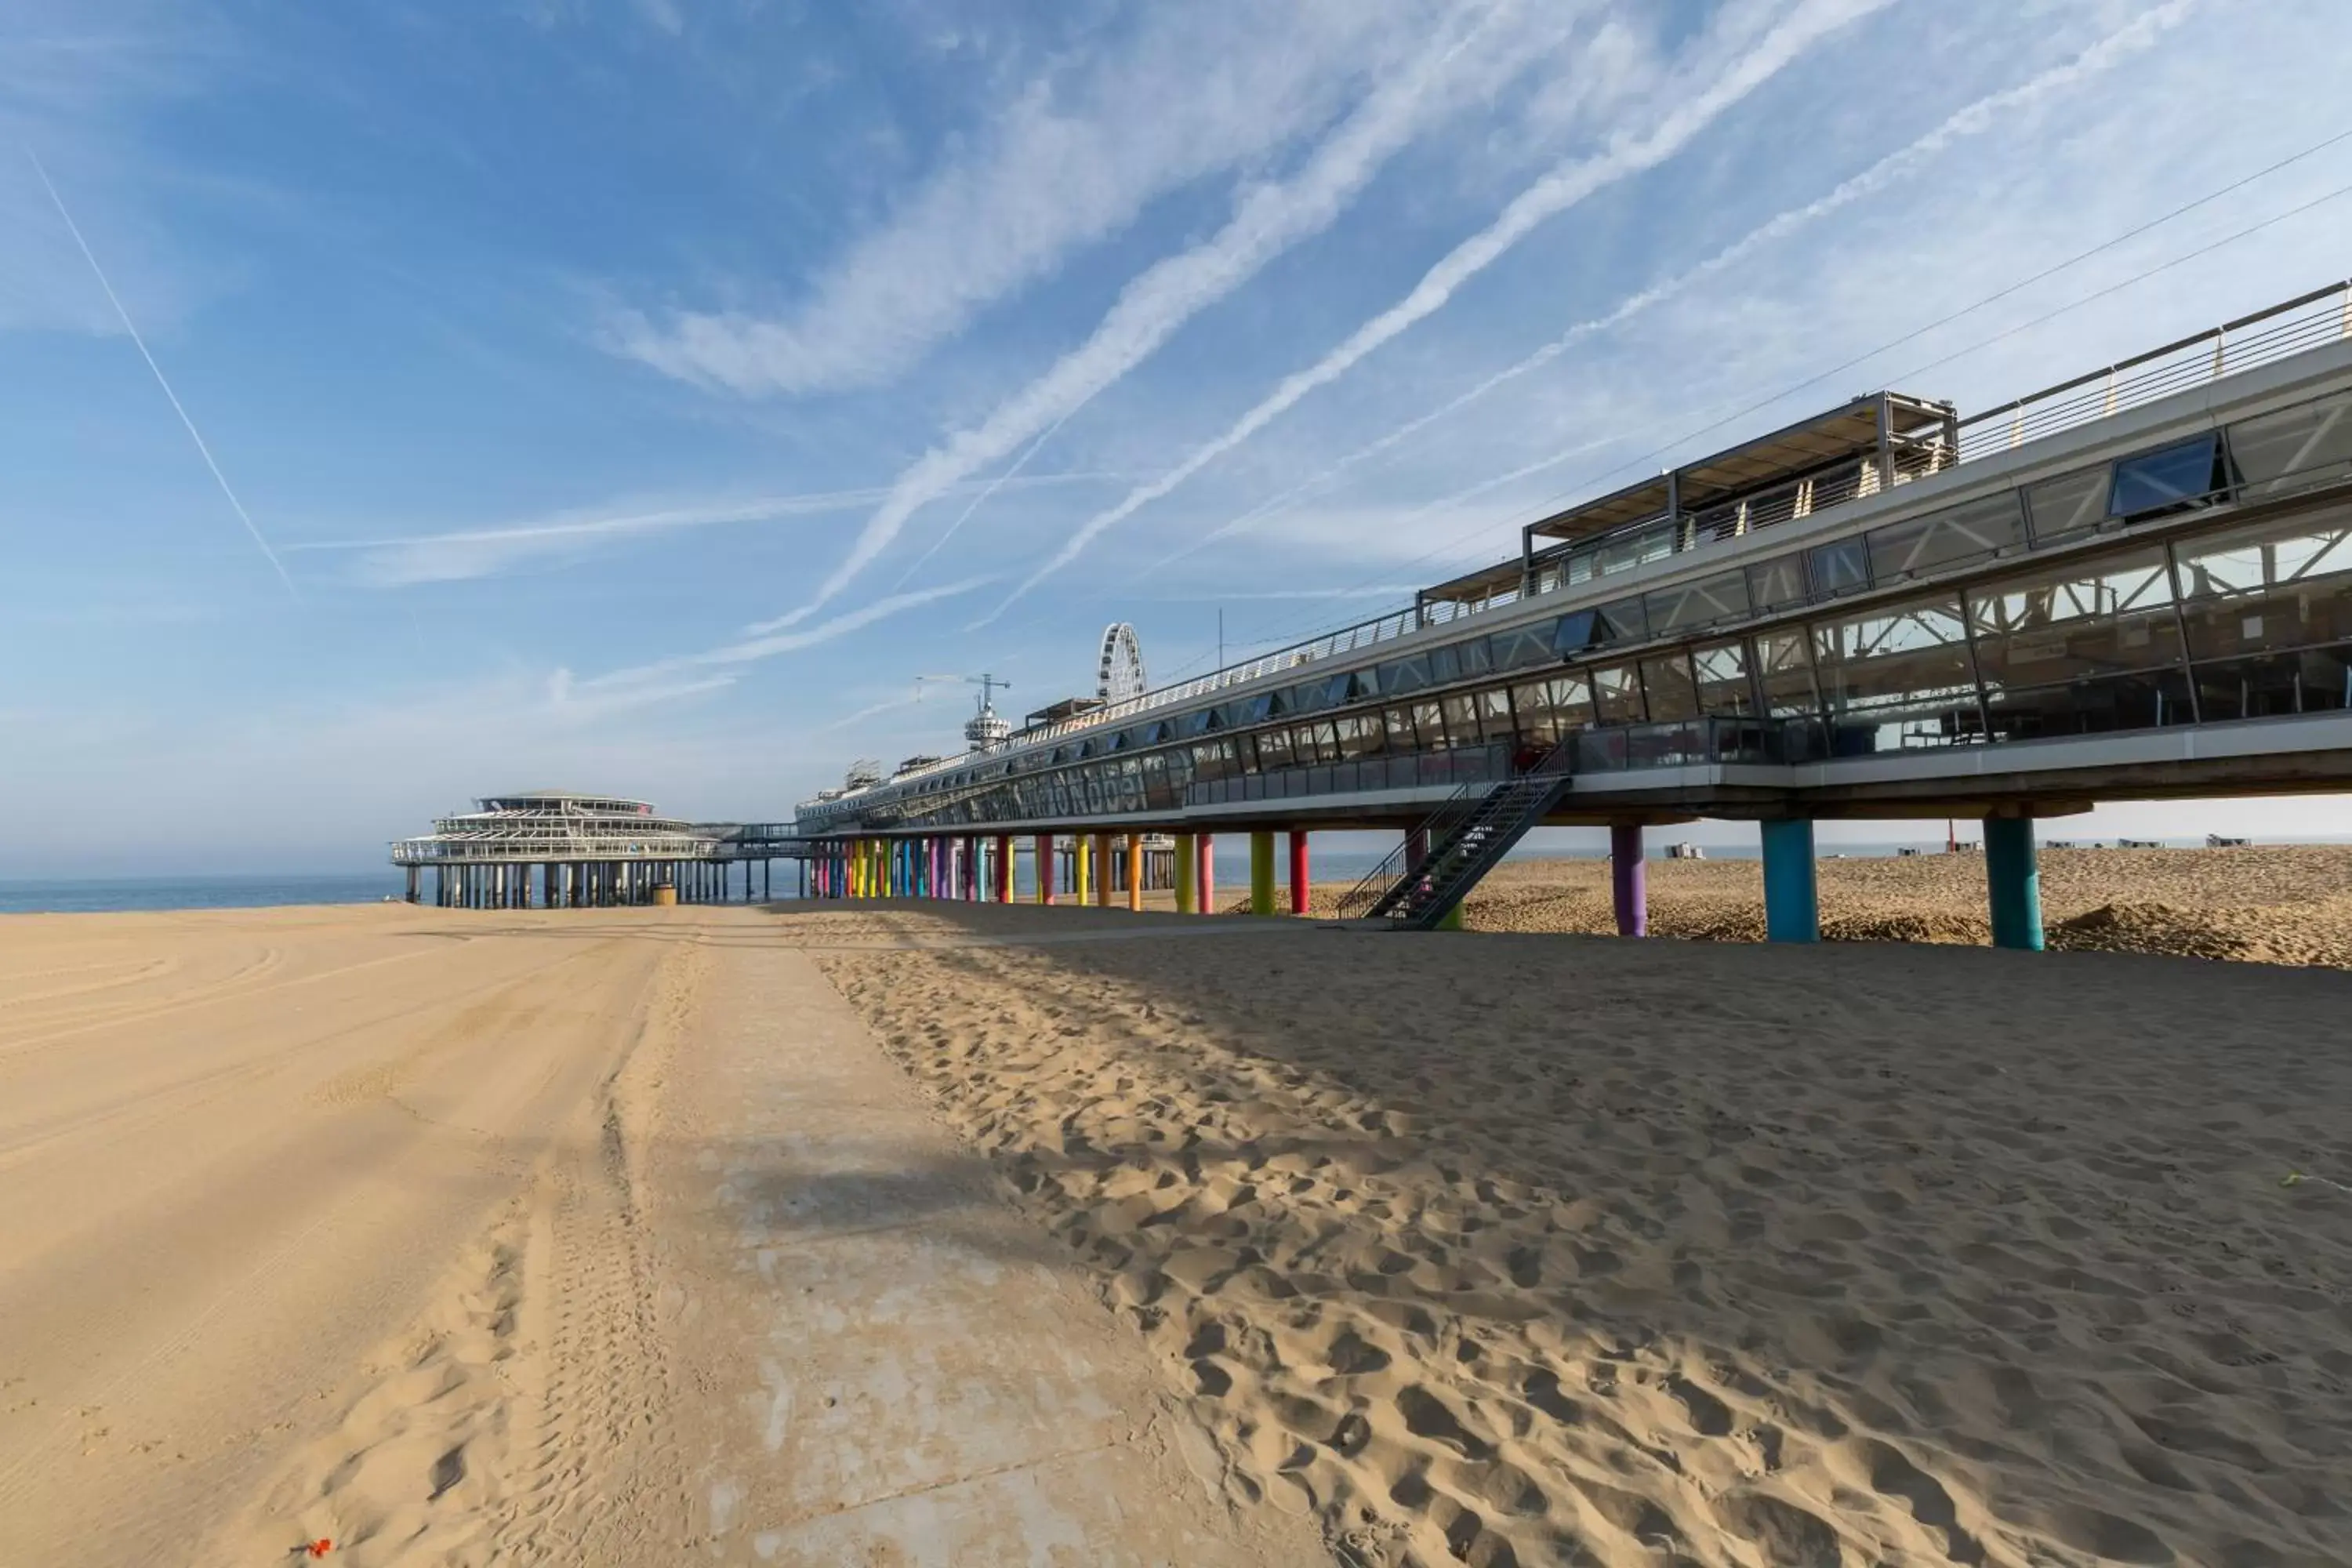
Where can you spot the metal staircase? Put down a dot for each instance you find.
(1466, 835)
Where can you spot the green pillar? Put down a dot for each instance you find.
(2013, 880)
(1261, 873)
(1452, 918)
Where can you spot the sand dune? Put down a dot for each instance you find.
(1507, 1249)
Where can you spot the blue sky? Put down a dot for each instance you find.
(639, 396)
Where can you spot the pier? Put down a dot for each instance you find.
(560, 849)
(2134, 584)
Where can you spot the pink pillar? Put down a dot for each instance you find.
(1205, 876)
(1298, 889)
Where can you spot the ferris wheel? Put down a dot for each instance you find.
(1121, 670)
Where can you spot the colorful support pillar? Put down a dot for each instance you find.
(1186, 866)
(1106, 870)
(1298, 887)
(1044, 857)
(1135, 873)
(1082, 868)
(2013, 879)
(1005, 868)
(1261, 873)
(1792, 905)
(1205, 876)
(1628, 878)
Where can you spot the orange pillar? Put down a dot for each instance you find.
(1298, 872)
(1005, 868)
(1135, 872)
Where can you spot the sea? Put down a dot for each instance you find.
(97, 895)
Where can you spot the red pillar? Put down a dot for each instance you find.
(1204, 874)
(1298, 888)
(1045, 867)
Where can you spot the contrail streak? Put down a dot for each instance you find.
(982, 499)
(1977, 117)
(124, 316)
(1164, 296)
(1557, 192)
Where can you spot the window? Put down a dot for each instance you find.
(1403, 675)
(1622, 621)
(1462, 719)
(2295, 448)
(2266, 588)
(1521, 649)
(1898, 677)
(1720, 670)
(2170, 479)
(1775, 584)
(1666, 683)
(1272, 749)
(1473, 654)
(1701, 603)
(1842, 567)
(1974, 530)
(1495, 714)
(1315, 743)
(1616, 693)
(1397, 722)
(1429, 723)
(2067, 507)
(2076, 622)
(1575, 632)
(1444, 666)
(1359, 736)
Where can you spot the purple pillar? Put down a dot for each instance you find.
(1628, 878)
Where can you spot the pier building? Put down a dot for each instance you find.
(562, 849)
(2136, 583)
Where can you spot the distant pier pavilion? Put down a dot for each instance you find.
(561, 849)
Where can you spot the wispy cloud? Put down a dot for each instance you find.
(203, 450)
(1558, 191)
(1269, 219)
(464, 555)
(1070, 161)
(1988, 113)
(752, 649)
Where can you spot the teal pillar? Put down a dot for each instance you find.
(1793, 903)
(2013, 879)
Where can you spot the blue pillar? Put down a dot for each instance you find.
(1792, 905)
(2013, 878)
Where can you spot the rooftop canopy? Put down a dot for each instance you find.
(1889, 431)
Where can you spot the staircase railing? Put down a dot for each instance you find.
(1375, 889)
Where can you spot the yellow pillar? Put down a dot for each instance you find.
(1184, 852)
(1135, 872)
(1082, 866)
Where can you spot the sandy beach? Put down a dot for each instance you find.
(908, 1234)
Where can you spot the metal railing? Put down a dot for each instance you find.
(2324, 315)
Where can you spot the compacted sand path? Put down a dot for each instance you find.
(578, 1239)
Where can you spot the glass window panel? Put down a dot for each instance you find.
(1975, 531)
(2068, 505)
(1622, 621)
(1777, 582)
(1430, 723)
(1537, 720)
(2167, 479)
(2311, 680)
(1841, 567)
(1721, 671)
(1359, 736)
(2271, 586)
(1397, 722)
(1325, 740)
(1473, 654)
(1522, 647)
(1616, 693)
(1462, 719)
(1495, 714)
(1575, 632)
(1445, 664)
(1707, 602)
(2295, 448)
(2070, 622)
(1666, 683)
(1571, 700)
(2146, 699)
(1273, 748)
(1897, 678)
